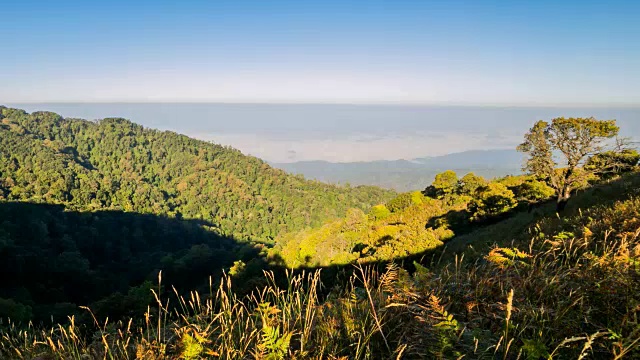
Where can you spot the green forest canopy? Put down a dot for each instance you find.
(116, 164)
(90, 210)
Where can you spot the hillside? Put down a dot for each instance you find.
(116, 164)
(543, 265)
(412, 223)
(89, 211)
(532, 285)
(409, 175)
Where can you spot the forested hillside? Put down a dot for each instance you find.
(90, 210)
(116, 164)
(412, 223)
(55, 260)
(564, 156)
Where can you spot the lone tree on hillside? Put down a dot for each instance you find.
(574, 140)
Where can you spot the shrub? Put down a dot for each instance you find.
(610, 163)
(379, 212)
(534, 191)
(470, 183)
(400, 203)
(491, 200)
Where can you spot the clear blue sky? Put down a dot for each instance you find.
(475, 52)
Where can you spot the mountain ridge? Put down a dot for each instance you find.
(407, 175)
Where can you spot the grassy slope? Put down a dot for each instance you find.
(520, 228)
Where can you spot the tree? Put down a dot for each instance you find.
(379, 212)
(400, 202)
(611, 163)
(533, 191)
(575, 140)
(491, 200)
(470, 183)
(444, 184)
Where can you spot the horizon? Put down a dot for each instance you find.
(342, 133)
(339, 81)
(390, 104)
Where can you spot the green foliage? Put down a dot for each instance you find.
(17, 312)
(444, 184)
(417, 198)
(191, 348)
(572, 294)
(452, 190)
(379, 212)
(446, 181)
(535, 350)
(575, 139)
(238, 268)
(513, 182)
(130, 201)
(354, 219)
(576, 278)
(54, 258)
(534, 191)
(400, 202)
(506, 257)
(380, 236)
(116, 164)
(491, 200)
(470, 183)
(610, 163)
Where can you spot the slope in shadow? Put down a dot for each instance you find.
(55, 260)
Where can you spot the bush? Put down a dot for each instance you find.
(491, 200)
(417, 198)
(379, 212)
(400, 203)
(534, 191)
(445, 184)
(470, 183)
(611, 163)
(15, 311)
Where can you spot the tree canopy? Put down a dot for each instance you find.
(116, 164)
(574, 140)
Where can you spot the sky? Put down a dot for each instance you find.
(525, 53)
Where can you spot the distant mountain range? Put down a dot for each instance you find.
(406, 175)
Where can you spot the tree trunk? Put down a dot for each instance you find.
(562, 204)
(563, 199)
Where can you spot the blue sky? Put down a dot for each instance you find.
(443, 52)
